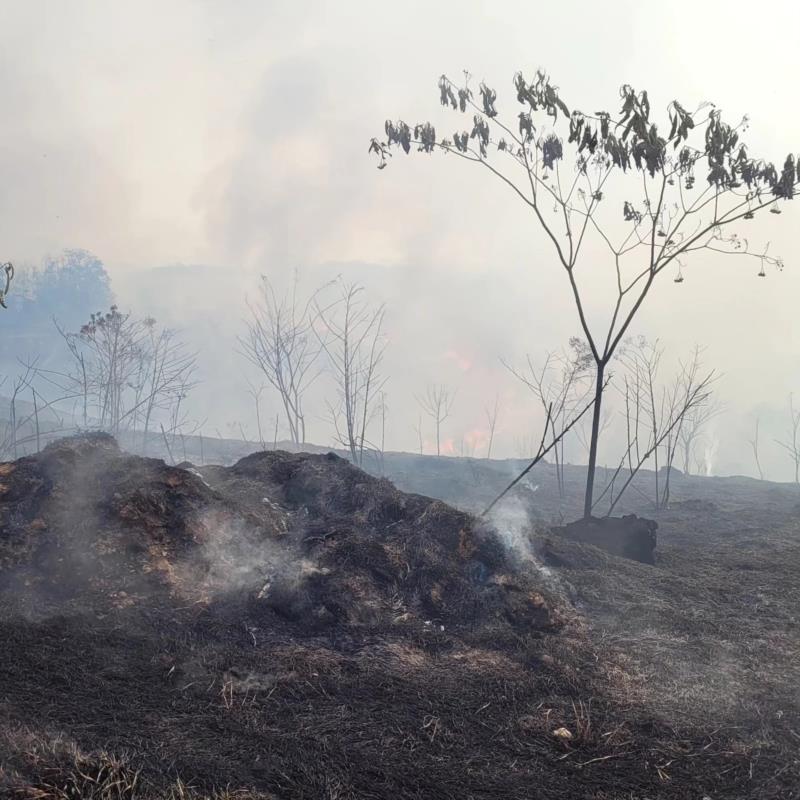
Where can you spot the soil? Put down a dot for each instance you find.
(291, 627)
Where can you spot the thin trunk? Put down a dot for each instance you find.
(36, 419)
(558, 461)
(654, 422)
(166, 444)
(754, 445)
(256, 398)
(85, 394)
(14, 425)
(665, 493)
(598, 399)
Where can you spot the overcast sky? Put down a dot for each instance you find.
(234, 135)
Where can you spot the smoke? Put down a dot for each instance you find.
(234, 556)
(257, 163)
(513, 524)
(710, 454)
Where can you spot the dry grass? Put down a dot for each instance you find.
(67, 773)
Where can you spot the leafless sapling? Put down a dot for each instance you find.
(350, 332)
(491, 424)
(791, 444)
(125, 372)
(383, 409)
(754, 446)
(256, 393)
(279, 341)
(691, 416)
(28, 423)
(437, 403)
(541, 452)
(562, 385)
(654, 414)
(167, 369)
(108, 351)
(418, 431)
(691, 433)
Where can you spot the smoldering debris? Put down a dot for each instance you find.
(514, 525)
(310, 538)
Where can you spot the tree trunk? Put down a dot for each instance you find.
(598, 398)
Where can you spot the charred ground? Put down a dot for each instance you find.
(292, 627)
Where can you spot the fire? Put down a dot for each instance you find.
(464, 363)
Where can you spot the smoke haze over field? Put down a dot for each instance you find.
(233, 137)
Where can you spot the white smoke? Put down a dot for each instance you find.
(235, 555)
(710, 454)
(514, 526)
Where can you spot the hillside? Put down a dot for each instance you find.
(291, 627)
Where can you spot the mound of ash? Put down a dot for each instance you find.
(309, 539)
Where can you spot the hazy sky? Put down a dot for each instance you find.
(234, 135)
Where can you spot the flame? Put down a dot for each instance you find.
(464, 363)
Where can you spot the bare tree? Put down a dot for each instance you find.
(690, 434)
(167, 371)
(654, 415)
(107, 353)
(665, 219)
(280, 342)
(21, 383)
(645, 410)
(561, 386)
(256, 393)
(125, 372)
(28, 423)
(437, 404)
(792, 443)
(351, 334)
(540, 453)
(754, 447)
(691, 415)
(466, 446)
(491, 422)
(383, 409)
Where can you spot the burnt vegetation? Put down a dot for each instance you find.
(290, 626)
(187, 617)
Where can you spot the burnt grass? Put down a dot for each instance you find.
(290, 627)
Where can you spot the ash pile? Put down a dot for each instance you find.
(307, 540)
